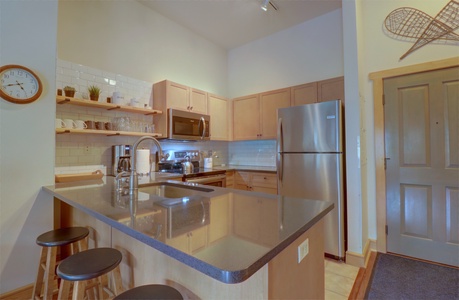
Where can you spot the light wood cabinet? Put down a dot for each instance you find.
(229, 179)
(246, 118)
(190, 242)
(219, 118)
(256, 182)
(255, 116)
(304, 94)
(168, 94)
(331, 89)
(270, 102)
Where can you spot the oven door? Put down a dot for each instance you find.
(214, 180)
(185, 125)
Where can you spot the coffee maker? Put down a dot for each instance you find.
(121, 159)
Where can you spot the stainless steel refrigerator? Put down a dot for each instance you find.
(310, 162)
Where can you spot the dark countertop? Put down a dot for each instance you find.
(256, 226)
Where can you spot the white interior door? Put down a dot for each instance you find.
(422, 176)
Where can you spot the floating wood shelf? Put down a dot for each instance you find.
(106, 132)
(107, 106)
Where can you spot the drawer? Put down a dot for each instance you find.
(264, 180)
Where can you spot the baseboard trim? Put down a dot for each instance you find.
(18, 293)
(361, 260)
(363, 279)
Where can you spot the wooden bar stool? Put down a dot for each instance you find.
(151, 292)
(86, 269)
(46, 283)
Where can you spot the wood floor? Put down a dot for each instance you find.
(339, 279)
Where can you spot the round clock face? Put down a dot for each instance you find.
(19, 84)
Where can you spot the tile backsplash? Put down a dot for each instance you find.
(86, 149)
(81, 77)
(252, 153)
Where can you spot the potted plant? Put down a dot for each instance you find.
(94, 92)
(69, 91)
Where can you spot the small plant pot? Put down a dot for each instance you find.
(94, 97)
(69, 93)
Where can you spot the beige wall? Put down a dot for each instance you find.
(27, 37)
(128, 38)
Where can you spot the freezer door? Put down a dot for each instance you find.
(318, 177)
(311, 128)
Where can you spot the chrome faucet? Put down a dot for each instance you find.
(134, 179)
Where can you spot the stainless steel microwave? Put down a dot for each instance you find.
(185, 125)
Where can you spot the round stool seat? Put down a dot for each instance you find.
(89, 264)
(150, 291)
(62, 236)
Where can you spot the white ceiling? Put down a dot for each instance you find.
(232, 23)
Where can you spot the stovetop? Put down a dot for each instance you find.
(176, 168)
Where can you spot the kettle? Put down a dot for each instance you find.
(187, 166)
(124, 164)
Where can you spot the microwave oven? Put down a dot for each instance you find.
(185, 125)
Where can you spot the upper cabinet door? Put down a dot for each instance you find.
(219, 118)
(331, 89)
(269, 103)
(304, 94)
(198, 101)
(177, 96)
(246, 118)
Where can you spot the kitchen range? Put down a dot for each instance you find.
(187, 163)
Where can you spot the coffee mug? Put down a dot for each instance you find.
(69, 123)
(59, 123)
(117, 98)
(135, 102)
(90, 124)
(100, 125)
(80, 124)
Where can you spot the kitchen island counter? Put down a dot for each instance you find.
(267, 169)
(239, 232)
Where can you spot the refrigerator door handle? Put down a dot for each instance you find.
(280, 149)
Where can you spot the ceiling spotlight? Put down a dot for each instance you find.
(264, 5)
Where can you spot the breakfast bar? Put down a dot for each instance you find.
(207, 242)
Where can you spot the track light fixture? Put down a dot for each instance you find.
(264, 5)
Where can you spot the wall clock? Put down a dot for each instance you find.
(19, 84)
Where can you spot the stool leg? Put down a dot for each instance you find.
(64, 290)
(116, 280)
(79, 290)
(37, 288)
(50, 284)
(45, 276)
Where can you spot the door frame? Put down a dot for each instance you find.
(378, 90)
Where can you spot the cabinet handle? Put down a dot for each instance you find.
(191, 107)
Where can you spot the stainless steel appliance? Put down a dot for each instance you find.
(198, 174)
(184, 125)
(121, 159)
(310, 162)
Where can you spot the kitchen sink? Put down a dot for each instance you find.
(171, 190)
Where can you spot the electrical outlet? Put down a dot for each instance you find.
(303, 250)
(86, 149)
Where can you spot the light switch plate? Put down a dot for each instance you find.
(303, 250)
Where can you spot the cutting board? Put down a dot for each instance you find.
(60, 178)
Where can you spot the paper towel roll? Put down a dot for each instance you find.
(142, 164)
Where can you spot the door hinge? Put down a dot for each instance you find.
(387, 230)
(383, 99)
(385, 162)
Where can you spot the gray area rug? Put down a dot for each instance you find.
(395, 277)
